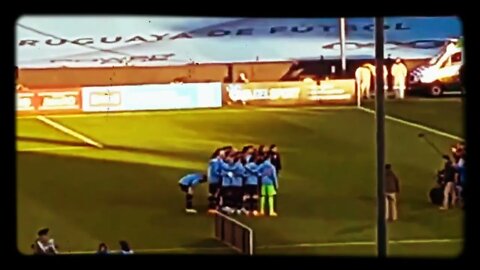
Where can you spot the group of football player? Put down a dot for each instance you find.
(240, 182)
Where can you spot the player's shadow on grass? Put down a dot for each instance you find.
(108, 200)
(123, 148)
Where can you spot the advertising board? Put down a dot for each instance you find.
(49, 100)
(288, 93)
(152, 97)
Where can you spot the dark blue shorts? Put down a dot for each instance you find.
(183, 188)
(213, 188)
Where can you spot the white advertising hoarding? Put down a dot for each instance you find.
(152, 97)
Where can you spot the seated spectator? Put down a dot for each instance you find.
(102, 249)
(125, 248)
(44, 245)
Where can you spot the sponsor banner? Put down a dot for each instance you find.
(26, 102)
(339, 90)
(106, 41)
(49, 100)
(288, 93)
(59, 100)
(265, 92)
(152, 97)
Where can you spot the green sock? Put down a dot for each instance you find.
(270, 204)
(262, 203)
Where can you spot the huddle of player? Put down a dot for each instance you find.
(237, 178)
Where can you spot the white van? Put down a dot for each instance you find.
(441, 75)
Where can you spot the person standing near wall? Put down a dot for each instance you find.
(373, 72)
(399, 72)
(362, 79)
(392, 189)
(389, 62)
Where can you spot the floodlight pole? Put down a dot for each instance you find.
(382, 242)
(342, 45)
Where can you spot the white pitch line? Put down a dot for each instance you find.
(68, 131)
(59, 148)
(411, 124)
(300, 245)
(154, 250)
(361, 243)
(448, 99)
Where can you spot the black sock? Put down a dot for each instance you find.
(254, 204)
(246, 204)
(216, 201)
(227, 201)
(239, 200)
(211, 202)
(189, 199)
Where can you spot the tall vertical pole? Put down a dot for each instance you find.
(342, 45)
(382, 241)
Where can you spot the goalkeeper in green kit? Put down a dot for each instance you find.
(269, 186)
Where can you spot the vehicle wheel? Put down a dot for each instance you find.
(436, 90)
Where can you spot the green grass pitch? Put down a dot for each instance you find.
(327, 188)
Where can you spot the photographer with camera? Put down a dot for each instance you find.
(449, 192)
(458, 152)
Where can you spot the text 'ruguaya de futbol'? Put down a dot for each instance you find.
(211, 33)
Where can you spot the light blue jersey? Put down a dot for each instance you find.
(252, 173)
(191, 180)
(214, 167)
(226, 172)
(268, 174)
(238, 174)
(232, 174)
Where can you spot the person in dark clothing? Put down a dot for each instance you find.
(276, 162)
(275, 158)
(462, 78)
(449, 193)
(125, 248)
(262, 150)
(44, 245)
(323, 70)
(389, 63)
(102, 249)
(392, 188)
(436, 195)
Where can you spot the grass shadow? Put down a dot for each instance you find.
(108, 200)
(122, 148)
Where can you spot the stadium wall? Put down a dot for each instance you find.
(66, 77)
(256, 72)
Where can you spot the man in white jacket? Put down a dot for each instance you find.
(399, 72)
